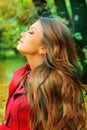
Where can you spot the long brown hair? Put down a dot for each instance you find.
(54, 88)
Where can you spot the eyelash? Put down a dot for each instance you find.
(30, 32)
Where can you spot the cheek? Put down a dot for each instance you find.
(29, 46)
(22, 47)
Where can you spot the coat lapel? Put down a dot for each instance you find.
(15, 87)
(17, 79)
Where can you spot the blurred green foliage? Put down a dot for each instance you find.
(15, 16)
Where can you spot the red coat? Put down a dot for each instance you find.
(17, 107)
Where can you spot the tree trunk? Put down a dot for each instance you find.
(61, 9)
(79, 10)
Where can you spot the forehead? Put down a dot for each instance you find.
(37, 26)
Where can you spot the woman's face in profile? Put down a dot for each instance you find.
(30, 41)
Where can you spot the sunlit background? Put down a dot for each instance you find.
(17, 15)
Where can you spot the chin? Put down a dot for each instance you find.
(19, 48)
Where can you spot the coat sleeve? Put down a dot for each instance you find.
(4, 127)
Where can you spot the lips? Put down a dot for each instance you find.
(20, 41)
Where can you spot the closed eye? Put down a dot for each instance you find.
(31, 32)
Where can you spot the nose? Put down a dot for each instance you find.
(23, 34)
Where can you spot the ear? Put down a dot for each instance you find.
(43, 50)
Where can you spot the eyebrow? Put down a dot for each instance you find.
(33, 28)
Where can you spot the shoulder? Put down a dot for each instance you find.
(23, 68)
(20, 72)
(17, 77)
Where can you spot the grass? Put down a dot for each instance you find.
(3, 98)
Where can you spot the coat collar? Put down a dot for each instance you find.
(17, 78)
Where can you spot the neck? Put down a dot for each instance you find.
(34, 61)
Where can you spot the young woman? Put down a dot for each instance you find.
(46, 94)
